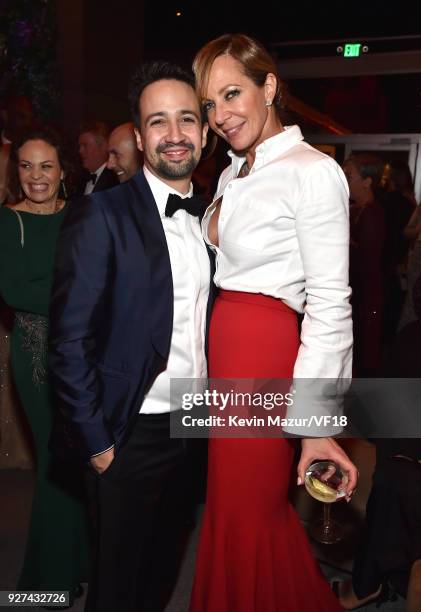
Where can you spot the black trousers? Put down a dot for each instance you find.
(391, 539)
(141, 519)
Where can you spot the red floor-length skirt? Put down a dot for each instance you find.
(254, 555)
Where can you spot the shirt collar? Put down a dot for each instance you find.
(270, 148)
(161, 190)
(99, 171)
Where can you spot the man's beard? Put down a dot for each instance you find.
(176, 170)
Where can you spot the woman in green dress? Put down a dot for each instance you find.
(56, 556)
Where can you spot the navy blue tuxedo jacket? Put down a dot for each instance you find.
(111, 314)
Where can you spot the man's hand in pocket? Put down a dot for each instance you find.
(102, 462)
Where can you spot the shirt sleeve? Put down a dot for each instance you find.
(323, 367)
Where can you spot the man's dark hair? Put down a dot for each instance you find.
(99, 129)
(150, 72)
(369, 166)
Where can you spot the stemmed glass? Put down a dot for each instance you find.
(325, 481)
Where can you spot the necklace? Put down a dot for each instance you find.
(42, 211)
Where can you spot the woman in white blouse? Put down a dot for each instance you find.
(279, 229)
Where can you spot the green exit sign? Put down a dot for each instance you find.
(352, 50)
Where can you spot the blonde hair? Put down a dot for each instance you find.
(253, 57)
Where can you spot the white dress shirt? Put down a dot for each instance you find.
(190, 268)
(89, 187)
(283, 231)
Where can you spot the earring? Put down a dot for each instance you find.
(63, 186)
(268, 103)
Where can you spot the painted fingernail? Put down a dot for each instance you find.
(299, 481)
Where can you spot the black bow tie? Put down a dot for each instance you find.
(92, 177)
(194, 206)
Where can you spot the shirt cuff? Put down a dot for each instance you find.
(102, 452)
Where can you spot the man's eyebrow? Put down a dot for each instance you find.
(190, 112)
(151, 115)
(182, 111)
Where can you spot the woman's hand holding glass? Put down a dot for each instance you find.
(327, 449)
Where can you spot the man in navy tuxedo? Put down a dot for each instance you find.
(129, 309)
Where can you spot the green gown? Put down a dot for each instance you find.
(57, 547)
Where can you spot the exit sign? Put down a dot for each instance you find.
(352, 50)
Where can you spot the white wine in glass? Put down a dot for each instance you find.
(325, 481)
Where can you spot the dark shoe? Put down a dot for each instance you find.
(385, 593)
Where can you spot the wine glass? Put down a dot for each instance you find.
(325, 481)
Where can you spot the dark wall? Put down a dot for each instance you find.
(99, 43)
